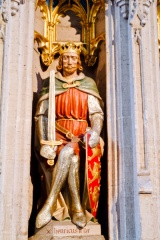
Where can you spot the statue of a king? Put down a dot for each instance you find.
(77, 112)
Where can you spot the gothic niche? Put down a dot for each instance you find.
(57, 22)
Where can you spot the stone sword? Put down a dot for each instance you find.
(52, 117)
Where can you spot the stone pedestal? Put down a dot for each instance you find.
(68, 238)
(66, 230)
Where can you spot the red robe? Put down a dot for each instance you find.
(71, 114)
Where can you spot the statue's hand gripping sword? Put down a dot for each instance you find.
(51, 118)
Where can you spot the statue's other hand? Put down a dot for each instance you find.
(48, 152)
(94, 138)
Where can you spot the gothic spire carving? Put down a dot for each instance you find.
(14, 7)
(140, 9)
(124, 6)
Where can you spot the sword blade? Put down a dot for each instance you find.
(51, 108)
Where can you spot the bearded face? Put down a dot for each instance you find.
(69, 61)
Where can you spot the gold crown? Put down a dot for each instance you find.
(70, 47)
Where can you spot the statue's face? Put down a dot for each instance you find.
(69, 62)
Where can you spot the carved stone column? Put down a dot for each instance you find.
(16, 110)
(2, 36)
(133, 115)
(146, 87)
(123, 202)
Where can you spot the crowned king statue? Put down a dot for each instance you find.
(75, 148)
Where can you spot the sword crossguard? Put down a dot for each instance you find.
(51, 142)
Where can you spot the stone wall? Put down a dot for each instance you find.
(133, 120)
(16, 119)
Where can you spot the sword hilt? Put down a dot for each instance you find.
(51, 142)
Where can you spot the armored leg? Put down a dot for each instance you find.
(60, 174)
(77, 214)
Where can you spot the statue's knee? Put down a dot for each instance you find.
(75, 159)
(66, 152)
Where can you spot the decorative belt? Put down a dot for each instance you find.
(72, 119)
(70, 135)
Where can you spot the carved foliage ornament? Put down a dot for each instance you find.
(86, 10)
(14, 7)
(140, 9)
(2, 31)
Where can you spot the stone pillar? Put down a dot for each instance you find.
(133, 119)
(123, 205)
(2, 33)
(146, 87)
(16, 110)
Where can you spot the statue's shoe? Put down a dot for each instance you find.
(44, 216)
(79, 219)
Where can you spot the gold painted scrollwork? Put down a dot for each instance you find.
(95, 194)
(48, 46)
(96, 172)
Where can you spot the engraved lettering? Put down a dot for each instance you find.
(85, 230)
(70, 231)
